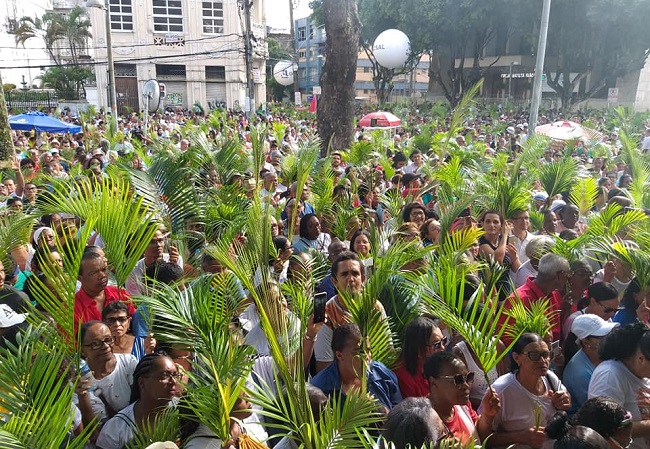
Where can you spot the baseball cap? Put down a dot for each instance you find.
(408, 178)
(556, 205)
(8, 317)
(590, 325)
(540, 196)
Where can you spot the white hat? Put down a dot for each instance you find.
(161, 445)
(590, 325)
(8, 317)
(557, 205)
(510, 130)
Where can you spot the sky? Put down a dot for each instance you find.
(277, 12)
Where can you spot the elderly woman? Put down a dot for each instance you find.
(422, 337)
(530, 395)
(623, 375)
(117, 318)
(155, 383)
(536, 248)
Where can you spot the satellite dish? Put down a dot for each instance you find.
(151, 95)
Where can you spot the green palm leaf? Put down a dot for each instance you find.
(532, 318)
(584, 194)
(612, 220)
(558, 177)
(163, 428)
(14, 232)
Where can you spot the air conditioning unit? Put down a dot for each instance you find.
(12, 26)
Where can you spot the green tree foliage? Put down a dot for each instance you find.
(62, 34)
(276, 53)
(6, 142)
(596, 38)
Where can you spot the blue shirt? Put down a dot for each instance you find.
(625, 316)
(576, 377)
(382, 383)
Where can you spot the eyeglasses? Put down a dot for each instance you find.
(584, 274)
(609, 309)
(459, 379)
(116, 320)
(167, 377)
(95, 345)
(534, 356)
(156, 242)
(439, 344)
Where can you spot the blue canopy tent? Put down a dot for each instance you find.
(41, 122)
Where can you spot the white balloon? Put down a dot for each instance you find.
(283, 72)
(392, 48)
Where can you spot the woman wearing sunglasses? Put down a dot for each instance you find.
(117, 318)
(530, 395)
(422, 337)
(449, 388)
(156, 381)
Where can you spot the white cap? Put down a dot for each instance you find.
(8, 317)
(590, 325)
(557, 205)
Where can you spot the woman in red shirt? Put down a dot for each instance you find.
(422, 337)
(449, 387)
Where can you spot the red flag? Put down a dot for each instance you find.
(313, 107)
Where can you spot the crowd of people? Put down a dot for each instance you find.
(582, 382)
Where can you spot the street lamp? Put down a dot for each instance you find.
(510, 80)
(112, 97)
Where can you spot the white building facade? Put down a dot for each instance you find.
(196, 48)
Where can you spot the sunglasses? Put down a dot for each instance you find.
(534, 356)
(609, 309)
(439, 344)
(459, 379)
(116, 320)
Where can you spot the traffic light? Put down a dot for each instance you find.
(163, 90)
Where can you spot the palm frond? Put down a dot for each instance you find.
(584, 194)
(460, 112)
(558, 177)
(533, 318)
(37, 394)
(613, 219)
(15, 229)
(163, 428)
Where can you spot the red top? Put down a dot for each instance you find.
(459, 427)
(528, 294)
(85, 307)
(410, 385)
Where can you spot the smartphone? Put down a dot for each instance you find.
(555, 348)
(320, 299)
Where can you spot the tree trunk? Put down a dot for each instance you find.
(336, 103)
(6, 142)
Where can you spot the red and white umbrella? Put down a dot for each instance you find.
(379, 119)
(568, 130)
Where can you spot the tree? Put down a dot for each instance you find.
(607, 42)
(336, 105)
(6, 142)
(65, 37)
(276, 53)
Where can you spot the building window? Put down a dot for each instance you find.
(213, 17)
(365, 91)
(121, 12)
(167, 16)
(366, 70)
(302, 53)
(302, 33)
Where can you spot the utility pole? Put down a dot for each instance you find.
(250, 88)
(292, 33)
(6, 142)
(539, 68)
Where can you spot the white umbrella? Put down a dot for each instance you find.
(568, 130)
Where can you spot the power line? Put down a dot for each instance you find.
(127, 61)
